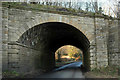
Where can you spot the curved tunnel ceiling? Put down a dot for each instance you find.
(53, 35)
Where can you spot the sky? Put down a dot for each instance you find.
(109, 6)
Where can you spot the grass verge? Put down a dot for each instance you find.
(108, 72)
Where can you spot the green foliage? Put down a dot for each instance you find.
(77, 55)
(10, 74)
(59, 57)
(50, 8)
(70, 54)
(100, 10)
(65, 54)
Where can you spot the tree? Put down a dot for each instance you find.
(65, 4)
(58, 53)
(118, 10)
(87, 7)
(79, 6)
(100, 10)
(95, 6)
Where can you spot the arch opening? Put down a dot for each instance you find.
(68, 54)
(48, 37)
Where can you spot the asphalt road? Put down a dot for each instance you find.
(67, 71)
(71, 65)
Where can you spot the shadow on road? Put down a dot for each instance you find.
(73, 70)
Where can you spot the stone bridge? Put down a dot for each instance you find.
(30, 39)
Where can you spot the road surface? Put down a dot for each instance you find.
(67, 71)
(71, 65)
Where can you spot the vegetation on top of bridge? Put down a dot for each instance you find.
(54, 9)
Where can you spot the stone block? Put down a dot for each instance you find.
(15, 47)
(28, 24)
(102, 64)
(92, 50)
(92, 54)
(93, 62)
(4, 36)
(93, 58)
(4, 54)
(13, 51)
(12, 38)
(92, 67)
(4, 47)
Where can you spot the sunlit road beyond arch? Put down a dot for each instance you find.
(72, 65)
(67, 71)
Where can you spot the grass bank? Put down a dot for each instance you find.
(108, 72)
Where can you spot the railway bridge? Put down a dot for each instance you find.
(30, 39)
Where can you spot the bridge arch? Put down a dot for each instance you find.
(48, 37)
(25, 24)
(77, 22)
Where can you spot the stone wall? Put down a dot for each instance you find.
(113, 42)
(5, 38)
(101, 29)
(21, 20)
(118, 42)
(0, 40)
(22, 58)
(99, 49)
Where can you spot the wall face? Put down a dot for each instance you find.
(113, 43)
(101, 42)
(22, 58)
(98, 50)
(118, 42)
(4, 42)
(0, 40)
(102, 35)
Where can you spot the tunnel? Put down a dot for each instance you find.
(50, 36)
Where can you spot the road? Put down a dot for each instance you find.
(71, 65)
(67, 71)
